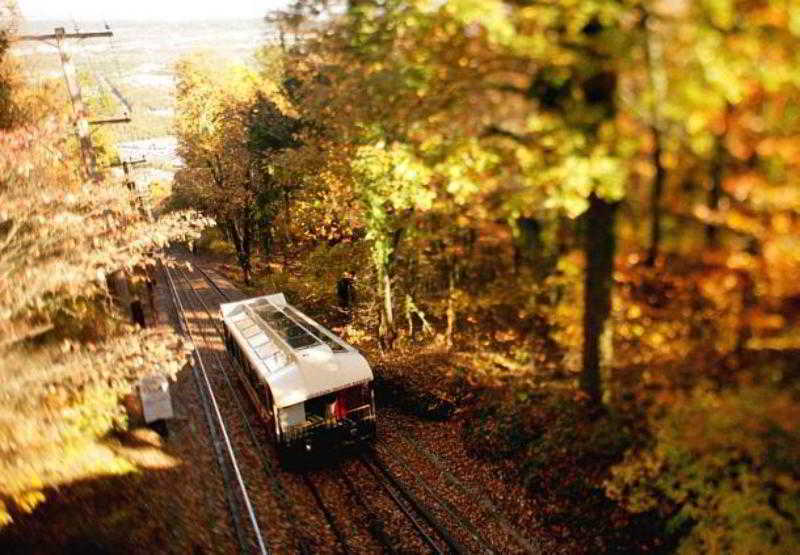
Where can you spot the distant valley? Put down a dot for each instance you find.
(138, 62)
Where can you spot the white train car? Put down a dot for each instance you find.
(312, 389)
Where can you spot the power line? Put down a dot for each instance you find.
(73, 87)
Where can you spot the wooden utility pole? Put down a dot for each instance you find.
(126, 167)
(137, 197)
(74, 89)
(119, 279)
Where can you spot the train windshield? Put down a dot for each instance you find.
(295, 335)
(335, 345)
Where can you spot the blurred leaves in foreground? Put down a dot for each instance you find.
(68, 352)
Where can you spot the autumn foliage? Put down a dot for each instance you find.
(68, 350)
(584, 215)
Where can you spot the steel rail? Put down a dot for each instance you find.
(374, 522)
(219, 290)
(488, 506)
(212, 429)
(448, 507)
(262, 548)
(417, 526)
(433, 522)
(328, 515)
(277, 487)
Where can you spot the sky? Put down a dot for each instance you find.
(158, 10)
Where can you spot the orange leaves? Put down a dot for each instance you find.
(785, 147)
(741, 185)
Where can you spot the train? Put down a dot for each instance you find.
(313, 390)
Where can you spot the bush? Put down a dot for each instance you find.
(563, 448)
(724, 464)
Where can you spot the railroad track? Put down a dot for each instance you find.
(246, 526)
(304, 543)
(481, 497)
(430, 529)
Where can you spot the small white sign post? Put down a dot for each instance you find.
(156, 401)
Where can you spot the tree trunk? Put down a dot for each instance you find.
(121, 290)
(233, 233)
(715, 193)
(287, 238)
(599, 248)
(451, 309)
(717, 175)
(564, 231)
(387, 300)
(748, 301)
(656, 80)
(527, 245)
(247, 242)
(386, 331)
(239, 242)
(266, 238)
(655, 201)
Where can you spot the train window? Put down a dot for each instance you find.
(278, 320)
(248, 331)
(258, 342)
(299, 338)
(331, 342)
(251, 332)
(295, 335)
(265, 311)
(276, 361)
(322, 334)
(244, 324)
(323, 407)
(266, 351)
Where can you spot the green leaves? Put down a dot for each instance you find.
(577, 177)
(392, 177)
(725, 459)
(466, 169)
(493, 15)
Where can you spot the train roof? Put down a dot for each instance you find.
(299, 358)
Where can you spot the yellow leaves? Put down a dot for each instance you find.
(505, 336)
(794, 18)
(696, 122)
(656, 339)
(27, 501)
(5, 516)
(781, 223)
(741, 261)
(491, 14)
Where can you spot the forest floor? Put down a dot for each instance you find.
(160, 507)
(498, 424)
(171, 502)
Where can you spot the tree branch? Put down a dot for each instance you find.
(495, 131)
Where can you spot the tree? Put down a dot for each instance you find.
(558, 146)
(211, 108)
(67, 354)
(228, 128)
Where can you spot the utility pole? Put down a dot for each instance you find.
(137, 196)
(74, 89)
(120, 278)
